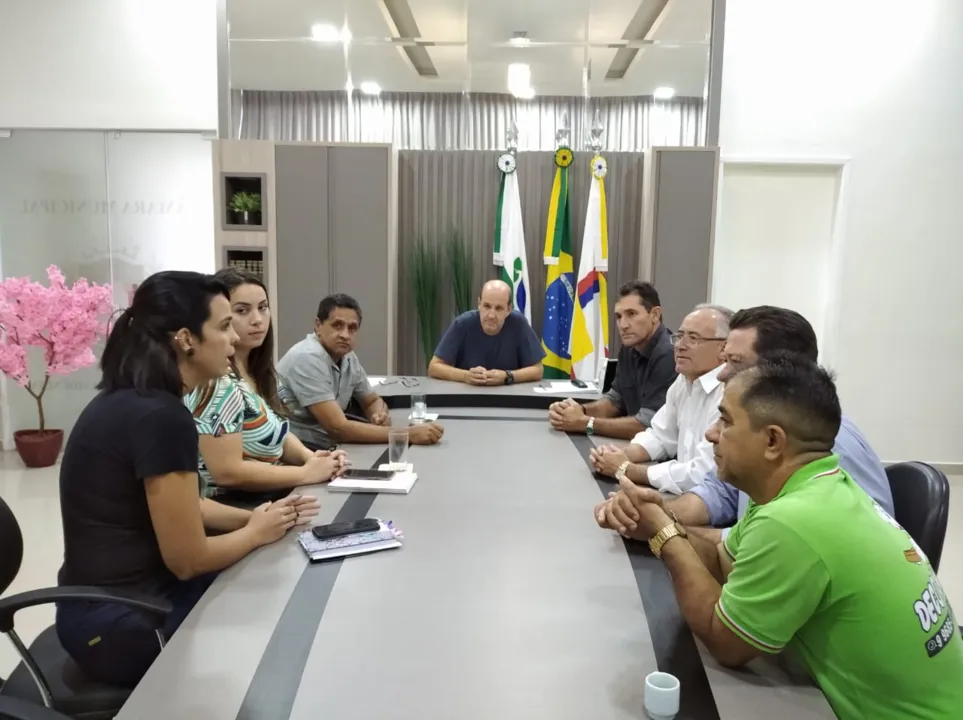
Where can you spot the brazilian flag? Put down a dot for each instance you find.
(560, 276)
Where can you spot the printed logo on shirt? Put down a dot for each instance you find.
(915, 554)
(929, 608)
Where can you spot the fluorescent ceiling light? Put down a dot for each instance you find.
(328, 33)
(519, 76)
(325, 32)
(664, 93)
(369, 87)
(519, 39)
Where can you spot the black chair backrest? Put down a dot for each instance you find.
(11, 546)
(921, 499)
(610, 370)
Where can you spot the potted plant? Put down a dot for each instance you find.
(246, 207)
(64, 322)
(458, 252)
(424, 272)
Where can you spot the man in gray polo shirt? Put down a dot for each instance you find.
(645, 372)
(319, 376)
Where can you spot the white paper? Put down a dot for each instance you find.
(428, 417)
(376, 380)
(401, 483)
(564, 387)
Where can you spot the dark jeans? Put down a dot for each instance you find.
(115, 643)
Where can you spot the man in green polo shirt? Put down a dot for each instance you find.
(814, 565)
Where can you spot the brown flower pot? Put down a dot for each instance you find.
(39, 448)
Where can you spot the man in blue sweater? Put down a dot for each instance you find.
(493, 345)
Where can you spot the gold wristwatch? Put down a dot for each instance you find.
(620, 473)
(664, 535)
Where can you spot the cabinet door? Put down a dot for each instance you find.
(304, 261)
(684, 206)
(359, 214)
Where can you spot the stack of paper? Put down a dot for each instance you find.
(387, 538)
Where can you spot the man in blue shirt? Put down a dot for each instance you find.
(493, 345)
(711, 508)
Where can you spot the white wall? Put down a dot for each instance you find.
(118, 64)
(110, 207)
(877, 81)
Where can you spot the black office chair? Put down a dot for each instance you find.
(611, 368)
(46, 675)
(14, 709)
(921, 501)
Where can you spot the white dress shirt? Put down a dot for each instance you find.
(679, 430)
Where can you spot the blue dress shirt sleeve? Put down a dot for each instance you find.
(721, 498)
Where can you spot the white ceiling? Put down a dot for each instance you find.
(467, 43)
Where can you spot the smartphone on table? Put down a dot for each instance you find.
(352, 527)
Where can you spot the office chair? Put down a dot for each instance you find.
(46, 675)
(921, 503)
(611, 368)
(14, 709)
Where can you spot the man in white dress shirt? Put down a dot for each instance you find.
(675, 442)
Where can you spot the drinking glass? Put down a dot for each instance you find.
(419, 408)
(398, 450)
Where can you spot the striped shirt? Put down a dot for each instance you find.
(230, 406)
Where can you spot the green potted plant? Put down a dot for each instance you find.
(246, 207)
(458, 251)
(424, 272)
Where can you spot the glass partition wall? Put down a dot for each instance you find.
(456, 74)
(112, 207)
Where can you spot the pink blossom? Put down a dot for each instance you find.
(65, 322)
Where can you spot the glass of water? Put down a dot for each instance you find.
(419, 408)
(398, 450)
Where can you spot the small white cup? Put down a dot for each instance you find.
(661, 695)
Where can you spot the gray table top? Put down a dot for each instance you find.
(505, 601)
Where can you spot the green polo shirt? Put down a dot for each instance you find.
(824, 570)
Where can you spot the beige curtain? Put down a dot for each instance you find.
(458, 121)
(439, 191)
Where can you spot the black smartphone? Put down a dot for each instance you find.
(362, 474)
(327, 532)
(579, 384)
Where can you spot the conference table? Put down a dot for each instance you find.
(505, 601)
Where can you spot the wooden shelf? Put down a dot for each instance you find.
(235, 182)
(252, 259)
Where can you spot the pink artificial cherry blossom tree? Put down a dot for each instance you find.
(65, 322)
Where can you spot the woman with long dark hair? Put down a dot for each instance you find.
(248, 454)
(132, 519)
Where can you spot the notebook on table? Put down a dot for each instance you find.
(387, 538)
(399, 484)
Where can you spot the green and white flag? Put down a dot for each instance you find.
(509, 252)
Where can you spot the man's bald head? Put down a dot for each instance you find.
(494, 305)
(497, 291)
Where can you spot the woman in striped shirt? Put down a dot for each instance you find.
(247, 454)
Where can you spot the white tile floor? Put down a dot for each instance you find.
(33, 497)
